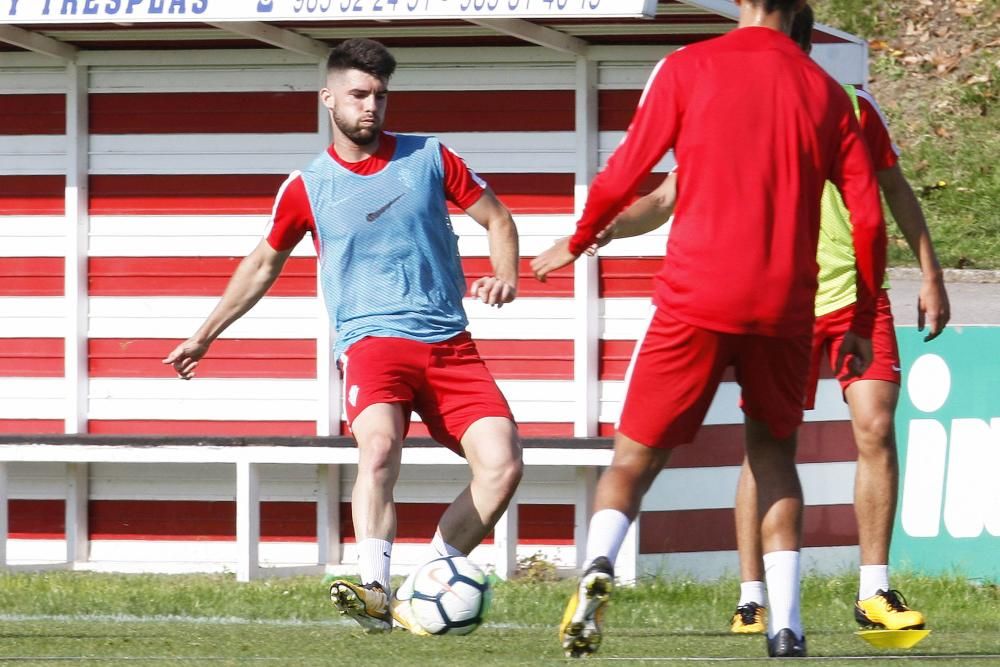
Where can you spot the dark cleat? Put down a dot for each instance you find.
(786, 645)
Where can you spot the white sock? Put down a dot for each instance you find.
(373, 561)
(874, 578)
(606, 534)
(781, 571)
(752, 591)
(442, 548)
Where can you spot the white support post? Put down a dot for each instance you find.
(328, 515)
(585, 269)
(586, 484)
(3, 515)
(327, 375)
(77, 494)
(627, 563)
(247, 520)
(505, 542)
(77, 231)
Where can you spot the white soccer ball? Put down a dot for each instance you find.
(450, 596)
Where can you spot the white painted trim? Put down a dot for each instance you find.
(540, 318)
(536, 34)
(76, 521)
(77, 231)
(711, 565)
(32, 236)
(33, 41)
(34, 452)
(283, 38)
(586, 487)
(237, 235)
(505, 541)
(847, 63)
(678, 489)
(26, 79)
(277, 153)
(32, 317)
(725, 408)
(328, 541)
(585, 269)
(627, 563)
(32, 398)
(329, 409)
(247, 520)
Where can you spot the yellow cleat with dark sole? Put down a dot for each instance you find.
(887, 610)
(749, 619)
(580, 630)
(402, 617)
(368, 604)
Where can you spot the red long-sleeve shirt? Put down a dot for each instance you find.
(757, 128)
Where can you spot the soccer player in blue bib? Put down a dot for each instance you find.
(376, 204)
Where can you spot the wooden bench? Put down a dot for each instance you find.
(586, 455)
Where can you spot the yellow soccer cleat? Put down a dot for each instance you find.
(402, 617)
(749, 619)
(580, 630)
(888, 610)
(368, 604)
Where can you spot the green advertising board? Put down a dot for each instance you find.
(948, 432)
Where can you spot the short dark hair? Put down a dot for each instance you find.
(365, 55)
(802, 28)
(783, 6)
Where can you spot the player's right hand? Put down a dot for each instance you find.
(603, 238)
(185, 357)
(857, 353)
(552, 259)
(493, 291)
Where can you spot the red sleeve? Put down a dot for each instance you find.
(291, 216)
(462, 186)
(875, 128)
(854, 176)
(652, 132)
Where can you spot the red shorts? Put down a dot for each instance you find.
(677, 368)
(446, 383)
(828, 334)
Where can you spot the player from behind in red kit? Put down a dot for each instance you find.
(758, 128)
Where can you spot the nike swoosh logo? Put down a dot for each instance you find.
(433, 576)
(375, 215)
(896, 369)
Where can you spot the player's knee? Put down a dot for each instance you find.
(379, 455)
(875, 431)
(513, 471)
(503, 477)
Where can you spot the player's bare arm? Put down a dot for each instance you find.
(501, 287)
(933, 308)
(643, 216)
(251, 280)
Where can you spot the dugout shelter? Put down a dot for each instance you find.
(141, 145)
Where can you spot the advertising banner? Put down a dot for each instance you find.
(948, 432)
(174, 11)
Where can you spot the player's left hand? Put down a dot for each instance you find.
(933, 308)
(552, 259)
(857, 353)
(493, 291)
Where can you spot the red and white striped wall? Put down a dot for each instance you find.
(177, 156)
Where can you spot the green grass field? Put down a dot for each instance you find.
(936, 73)
(212, 620)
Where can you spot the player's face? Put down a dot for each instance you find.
(357, 102)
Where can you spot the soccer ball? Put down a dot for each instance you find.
(450, 596)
